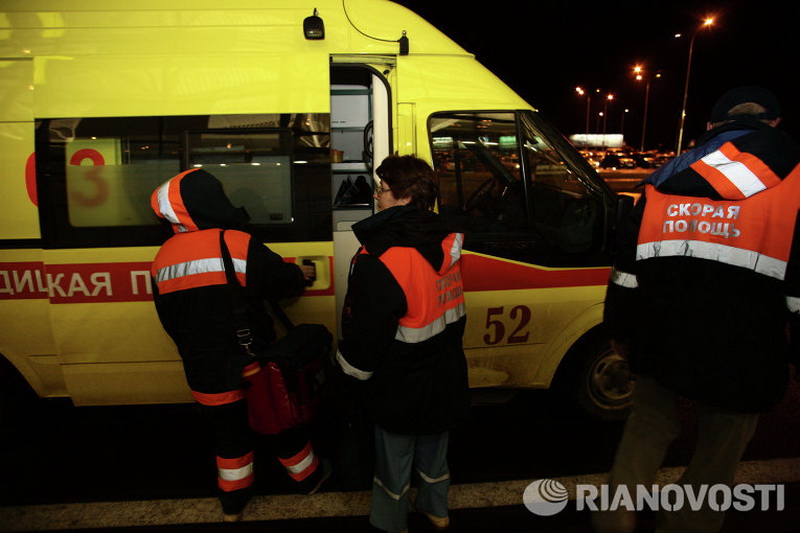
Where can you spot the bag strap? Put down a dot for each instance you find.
(243, 334)
(240, 311)
(281, 315)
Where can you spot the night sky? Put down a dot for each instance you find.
(544, 49)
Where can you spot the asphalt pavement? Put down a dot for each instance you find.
(501, 519)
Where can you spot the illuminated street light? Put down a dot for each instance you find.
(583, 92)
(706, 23)
(641, 75)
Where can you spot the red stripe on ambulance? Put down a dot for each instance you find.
(76, 283)
(488, 274)
(130, 282)
(85, 282)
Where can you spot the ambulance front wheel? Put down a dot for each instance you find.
(600, 379)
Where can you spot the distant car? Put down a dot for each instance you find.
(610, 161)
(617, 160)
(661, 159)
(591, 157)
(644, 159)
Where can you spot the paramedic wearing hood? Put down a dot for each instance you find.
(402, 324)
(192, 301)
(700, 297)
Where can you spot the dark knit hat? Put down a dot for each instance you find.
(740, 95)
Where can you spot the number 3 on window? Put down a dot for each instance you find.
(520, 316)
(93, 176)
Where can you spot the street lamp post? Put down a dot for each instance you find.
(622, 122)
(605, 110)
(581, 92)
(706, 23)
(639, 71)
(609, 97)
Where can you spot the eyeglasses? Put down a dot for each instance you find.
(380, 190)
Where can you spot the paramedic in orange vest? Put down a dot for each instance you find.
(192, 301)
(704, 300)
(402, 326)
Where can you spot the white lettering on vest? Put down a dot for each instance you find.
(690, 210)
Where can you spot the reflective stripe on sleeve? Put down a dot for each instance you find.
(768, 266)
(350, 370)
(624, 279)
(793, 304)
(452, 247)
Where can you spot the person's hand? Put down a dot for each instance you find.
(309, 272)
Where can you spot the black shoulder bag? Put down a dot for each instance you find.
(289, 379)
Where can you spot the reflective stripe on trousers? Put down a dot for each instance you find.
(236, 473)
(301, 465)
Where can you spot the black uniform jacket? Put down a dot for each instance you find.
(705, 287)
(403, 322)
(190, 292)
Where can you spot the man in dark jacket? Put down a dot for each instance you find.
(402, 325)
(700, 297)
(196, 309)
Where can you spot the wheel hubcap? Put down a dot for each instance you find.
(610, 382)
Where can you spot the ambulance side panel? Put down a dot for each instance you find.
(104, 102)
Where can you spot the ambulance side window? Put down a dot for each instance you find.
(255, 167)
(95, 175)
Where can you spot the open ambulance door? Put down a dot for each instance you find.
(361, 137)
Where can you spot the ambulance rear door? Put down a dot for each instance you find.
(25, 337)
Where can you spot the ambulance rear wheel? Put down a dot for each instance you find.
(600, 380)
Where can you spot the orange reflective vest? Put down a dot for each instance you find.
(755, 232)
(434, 299)
(193, 260)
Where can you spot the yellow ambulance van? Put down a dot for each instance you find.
(292, 104)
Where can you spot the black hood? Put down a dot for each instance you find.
(409, 226)
(195, 200)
